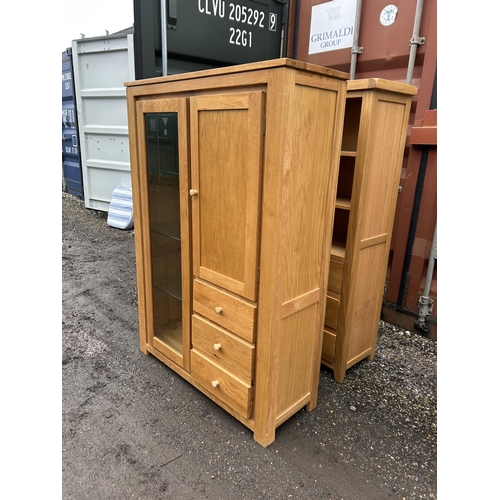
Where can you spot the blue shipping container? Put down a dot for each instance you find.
(71, 162)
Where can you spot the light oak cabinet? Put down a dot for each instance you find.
(234, 174)
(375, 129)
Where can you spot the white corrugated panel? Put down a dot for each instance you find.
(101, 67)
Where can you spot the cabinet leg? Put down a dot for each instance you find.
(266, 438)
(311, 405)
(339, 375)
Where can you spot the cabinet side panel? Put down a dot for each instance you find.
(296, 358)
(366, 299)
(305, 188)
(383, 165)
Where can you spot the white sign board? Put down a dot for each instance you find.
(332, 26)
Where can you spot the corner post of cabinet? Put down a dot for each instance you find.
(270, 295)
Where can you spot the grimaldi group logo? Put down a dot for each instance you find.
(332, 26)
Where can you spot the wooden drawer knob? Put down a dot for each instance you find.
(218, 310)
(215, 383)
(217, 346)
(193, 192)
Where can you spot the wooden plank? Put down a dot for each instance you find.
(382, 84)
(244, 68)
(138, 221)
(374, 240)
(298, 303)
(306, 188)
(297, 348)
(270, 296)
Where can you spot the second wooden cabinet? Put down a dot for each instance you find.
(375, 130)
(234, 174)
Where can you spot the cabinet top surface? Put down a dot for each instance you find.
(382, 84)
(242, 68)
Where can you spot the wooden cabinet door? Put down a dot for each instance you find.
(164, 225)
(226, 162)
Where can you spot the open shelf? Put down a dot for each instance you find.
(170, 229)
(339, 238)
(351, 124)
(346, 177)
(343, 203)
(338, 250)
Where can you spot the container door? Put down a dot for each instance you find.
(162, 141)
(101, 67)
(71, 165)
(226, 163)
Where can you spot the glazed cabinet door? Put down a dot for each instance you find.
(162, 147)
(226, 162)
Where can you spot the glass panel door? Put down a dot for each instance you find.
(164, 219)
(167, 240)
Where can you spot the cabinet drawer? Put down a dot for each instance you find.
(230, 389)
(332, 311)
(335, 276)
(223, 347)
(328, 351)
(225, 309)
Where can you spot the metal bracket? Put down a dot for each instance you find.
(357, 50)
(417, 40)
(425, 306)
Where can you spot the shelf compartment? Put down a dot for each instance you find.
(339, 238)
(345, 180)
(351, 124)
(169, 229)
(166, 264)
(164, 210)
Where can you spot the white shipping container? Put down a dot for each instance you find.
(101, 67)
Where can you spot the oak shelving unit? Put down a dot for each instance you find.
(374, 135)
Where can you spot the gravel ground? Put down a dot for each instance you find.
(132, 428)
